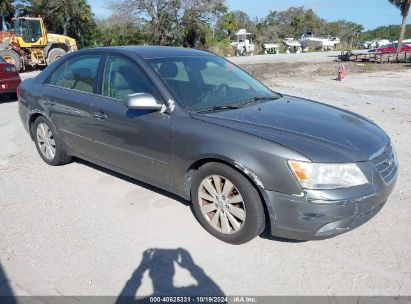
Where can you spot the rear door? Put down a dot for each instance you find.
(68, 95)
(136, 141)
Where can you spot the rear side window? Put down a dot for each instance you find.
(78, 73)
(123, 77)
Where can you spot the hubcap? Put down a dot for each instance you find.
(221, 204)
(46, 142)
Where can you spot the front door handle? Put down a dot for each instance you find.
(49, 101)
(99, 115)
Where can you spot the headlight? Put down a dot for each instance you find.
(327, 176)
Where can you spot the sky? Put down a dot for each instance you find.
(369, 13)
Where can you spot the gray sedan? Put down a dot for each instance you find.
(190, 122)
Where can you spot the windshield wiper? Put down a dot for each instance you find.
(219, 108)
(257, 99)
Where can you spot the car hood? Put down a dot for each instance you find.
(320, 132)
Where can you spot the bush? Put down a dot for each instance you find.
(222, 48)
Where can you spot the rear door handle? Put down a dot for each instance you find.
(99, 115)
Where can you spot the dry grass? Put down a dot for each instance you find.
(307, 69)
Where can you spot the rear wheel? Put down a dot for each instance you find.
(48, 143)
(12, 58)
(55, 54)
(226, 204)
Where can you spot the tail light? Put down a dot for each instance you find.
(18, 91)
(10, 68)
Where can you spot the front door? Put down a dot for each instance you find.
(136, 141)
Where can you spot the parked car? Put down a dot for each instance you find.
(9, 77)
(196, 125)
(392, 48)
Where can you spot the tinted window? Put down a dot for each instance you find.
(123, 77)
(77, 73)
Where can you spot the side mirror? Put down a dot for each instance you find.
(142, 101)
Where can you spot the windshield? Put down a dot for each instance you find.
(206, 82)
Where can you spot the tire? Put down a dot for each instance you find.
(55, 54)
(13, 58)
(217, 218)
(51, 149)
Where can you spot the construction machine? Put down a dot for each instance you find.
(29, 45)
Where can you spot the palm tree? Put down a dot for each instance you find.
(229, 23)
(404, 6)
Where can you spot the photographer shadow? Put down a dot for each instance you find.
(160, 264)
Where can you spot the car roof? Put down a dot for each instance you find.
(151, 52)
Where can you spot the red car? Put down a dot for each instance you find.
(392, 48)
(9, 77)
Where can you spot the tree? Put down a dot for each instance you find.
(198, 15)
(347, 31)
(114, 31)
(7, 12)
(297, 20)
(404, 6)
(72, 18)
(228, 22)
(159, 17)
(271, 18)
(389, 32)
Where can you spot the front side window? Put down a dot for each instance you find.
(204, 82)
(122, 77)
(78, 73)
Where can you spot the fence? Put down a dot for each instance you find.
(376, 57)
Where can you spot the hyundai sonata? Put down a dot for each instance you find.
(196, 125)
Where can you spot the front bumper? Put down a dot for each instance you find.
(320, 214)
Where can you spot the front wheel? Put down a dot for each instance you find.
(226, 204)
(55, 54)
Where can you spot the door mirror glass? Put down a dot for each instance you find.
(142, 101)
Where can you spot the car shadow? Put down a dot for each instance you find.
(160, 265)
(266, 235)
(6, 293)
(133, 181)
(8, 98)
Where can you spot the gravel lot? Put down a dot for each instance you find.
(82, 230)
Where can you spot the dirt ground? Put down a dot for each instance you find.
(82, 230)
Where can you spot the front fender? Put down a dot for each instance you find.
(263, 161)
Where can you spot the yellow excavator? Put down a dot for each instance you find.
(29, 44)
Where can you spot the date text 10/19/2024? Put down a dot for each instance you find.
(203, 299)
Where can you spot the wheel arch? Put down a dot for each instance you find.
(62, 46)
(32, 119)
(240, 168)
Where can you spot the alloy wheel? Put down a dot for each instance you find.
(45, 141)
(221, 204)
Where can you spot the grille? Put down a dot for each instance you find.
(386, 164)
